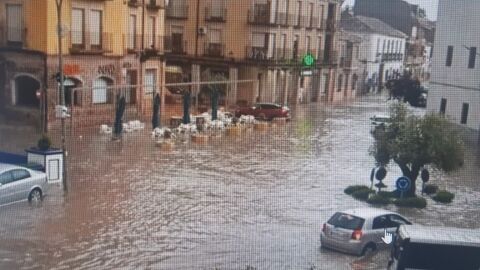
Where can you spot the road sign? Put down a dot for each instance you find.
(403, 183)
(307, 72)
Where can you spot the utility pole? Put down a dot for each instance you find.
(59, 4)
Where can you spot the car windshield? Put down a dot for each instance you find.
(346, 221)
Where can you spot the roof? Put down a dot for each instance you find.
(367, 212)
(5, 167)
(441, 235)
(363, 24)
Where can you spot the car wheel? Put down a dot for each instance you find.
(369, 249)
(262, 116)
(35, 196)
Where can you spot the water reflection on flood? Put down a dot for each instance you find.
(256, 200)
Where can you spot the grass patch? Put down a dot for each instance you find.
(386, 194)
(413, 202)
(378, 199)
(443, 196)
(430, 189)
(351, 189)
(362, 194)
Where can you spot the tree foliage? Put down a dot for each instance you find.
(413, 142)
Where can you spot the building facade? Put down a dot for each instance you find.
(455, 83)
(106, 44)
(382, 50)
(409, 19)
(260, 42)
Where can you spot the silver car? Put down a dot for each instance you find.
(19, 183)
(359, 231)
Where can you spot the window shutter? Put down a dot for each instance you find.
(14, 23)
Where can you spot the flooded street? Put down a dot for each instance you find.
(256, 200)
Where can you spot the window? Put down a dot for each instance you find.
(132, 31)
(346, 221)
(307, 43)
(78, 27)
(378, 46)
(449, 56)
(150, 80)
(217, 8)
(472, 57)
(380, 222)
(20, 174)
(283, 44)
(99, 91)
(396, 221)
(340, 82)
(96, 29)
(6, 178)
(443, 105)
(464, 113)
(320, 15)
(152, 26)
(14, 22)
(299, 13)
(310, 19)
(319, 47)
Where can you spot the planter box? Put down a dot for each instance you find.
(51, 160)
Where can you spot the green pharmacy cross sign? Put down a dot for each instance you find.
(308, 60)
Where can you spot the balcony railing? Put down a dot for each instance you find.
(259, 15)
(300, 21)
(177, 12)
(133, 42)
(13, 37)
(154, 43)
(90, 42)
(322, 25)
(215, 15)
(346, 62)
(214, 49)
(175, 47)
(154, 4)
(134, 3)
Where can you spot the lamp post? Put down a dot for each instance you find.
(59, 4)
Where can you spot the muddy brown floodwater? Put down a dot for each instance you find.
(257, 200)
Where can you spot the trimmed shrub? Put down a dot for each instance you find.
(351, 189)
(362, 194)
(386, 194)
(378, 199)
(413, 202)
(430, 189)
(44, 143)
(443, 196)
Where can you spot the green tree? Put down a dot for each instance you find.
(414, 142)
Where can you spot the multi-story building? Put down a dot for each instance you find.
(382, 50)
(349, 69)
(256, 40)
(409, 19)
(105, 43)
(455, 83)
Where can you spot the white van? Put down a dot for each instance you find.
(423, 247)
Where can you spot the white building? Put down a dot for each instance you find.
(382, 50)
(455, 82)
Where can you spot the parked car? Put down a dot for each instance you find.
(264, 111)
(18, 183)
(426, 247)
(359, 231)
(379, 120)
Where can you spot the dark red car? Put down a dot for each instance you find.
(264, 111)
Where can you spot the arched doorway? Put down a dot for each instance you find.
(25, 91)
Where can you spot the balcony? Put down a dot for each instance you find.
(257, 53)
(300, 21)
(90, 42)
(177, 12)
(13, 37)
(331, 25)
(175, 46)
(346, 62)
(154, 5)
(154, 44)
(134, 3)
(214, 49)
(215, 15)
(133, 43)
(312, 23)
(282, 19)
(259, 15)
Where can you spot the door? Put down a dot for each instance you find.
(99, 94)
(379, 225)
(77, 33)
(5, 178)
(177, 43)
(130, 95)
(96, 30)
(20, 184)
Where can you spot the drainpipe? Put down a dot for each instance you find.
(196, 28)
(43, 101)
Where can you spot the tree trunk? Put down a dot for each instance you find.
(411, 171)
